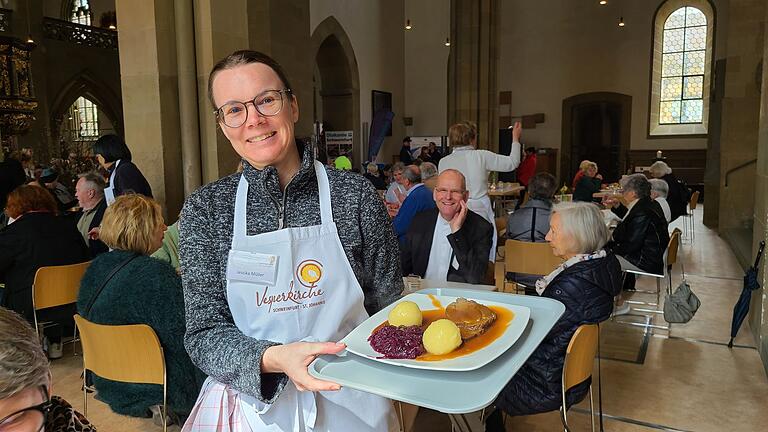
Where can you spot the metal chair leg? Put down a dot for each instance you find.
(85, 394)
(591, 409)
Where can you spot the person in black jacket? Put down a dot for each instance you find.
(405, 152)
(449, 242)
(585, 283)
(37, 237)
(124, 177)
(641, 237)
(11, 176)
(588, 184)
(678, 195)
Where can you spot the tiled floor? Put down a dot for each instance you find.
(684, 382)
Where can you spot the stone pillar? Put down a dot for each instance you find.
(280, 28)
(759, 305)
(219, 31)
(146, 40)
(739, 134)
(472, 66)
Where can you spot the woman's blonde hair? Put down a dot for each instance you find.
(129, 224)
(23, 363)
(583, 222)
(584, 165)
(462, 134)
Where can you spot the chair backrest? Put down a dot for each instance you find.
(694, 200)
(672, 248)
(127, 353)
(531, 258)
(580, 355)
(57, 285)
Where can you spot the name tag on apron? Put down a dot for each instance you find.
(252, 267)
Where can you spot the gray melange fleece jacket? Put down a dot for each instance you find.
(213, 341)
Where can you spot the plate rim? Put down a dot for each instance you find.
(413, 364)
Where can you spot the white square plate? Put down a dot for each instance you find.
(357, 340)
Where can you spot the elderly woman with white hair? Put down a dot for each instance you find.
(659, 193)
(678, 194)
(26, 404)
(374, 176)
(585, 283)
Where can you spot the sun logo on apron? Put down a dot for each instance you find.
(309, 273)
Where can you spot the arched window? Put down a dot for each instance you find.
(682, 59)
(81, 12)
(83, 120)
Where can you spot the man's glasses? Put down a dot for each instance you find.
(455, 192)
(268, 104)
(30, 419)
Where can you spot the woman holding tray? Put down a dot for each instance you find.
(585, 283)
(278, 263)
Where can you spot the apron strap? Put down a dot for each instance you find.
(324, 188)
(326, 214)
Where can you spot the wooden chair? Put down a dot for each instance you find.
(688, 223)
(579, 363)
(524, 257)
(56, 286)
(126, 353)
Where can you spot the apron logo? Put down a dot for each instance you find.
(309, 273)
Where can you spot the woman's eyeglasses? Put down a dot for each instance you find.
(268, 104)
(30, 419)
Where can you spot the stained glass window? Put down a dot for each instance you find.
(83, 120)
(81, 12)
(684, 46)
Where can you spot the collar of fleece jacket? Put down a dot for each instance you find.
(268, 179)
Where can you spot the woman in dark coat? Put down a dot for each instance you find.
(37, 237)
(144, 290)
(124, 176)
(585, 283)
(588, 184)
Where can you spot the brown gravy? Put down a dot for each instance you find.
(504, 316)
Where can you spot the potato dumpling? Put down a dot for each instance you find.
(406, 313)
(441, 337)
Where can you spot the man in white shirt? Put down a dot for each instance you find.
(450, 242)
(659, 192)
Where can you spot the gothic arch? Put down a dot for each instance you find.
(87, 86)
(330, 35)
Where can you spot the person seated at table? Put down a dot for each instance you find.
(418, 198)
(450, 242)
(50, 180)
(530, 223)
(36, 238)
(659, 192)
(396, 190)
(588, 184)
(527, 167)
(585, 283)
(89, 192)
(583, 166)
(127, 286)
(678, 194)
(374, 176)
(641, 237)
(429, 175)
(26, 403)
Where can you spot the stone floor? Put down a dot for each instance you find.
(689, 380)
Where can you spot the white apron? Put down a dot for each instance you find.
(109, 192)
(315, 297)
(483, 207)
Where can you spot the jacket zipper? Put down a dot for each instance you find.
(281, 215)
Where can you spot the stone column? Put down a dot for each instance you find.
(219, 30)
(146, 40)
(188, 97)
(472, 67)
(759, 305)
